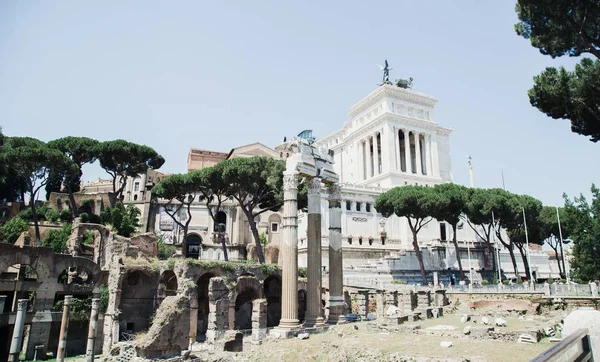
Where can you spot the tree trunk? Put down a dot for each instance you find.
(259, 249)
(419, 257)
(528, 271)
(514, 262)
(492, 251)
(562, 259)
(35, 218)
(455, 242)
(74, 211)
(556, 255)
(184, 250)
(222, 240)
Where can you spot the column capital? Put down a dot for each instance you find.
(314, 185)
(22, 304)
(68, 299)
(290, 180)
(335, 192)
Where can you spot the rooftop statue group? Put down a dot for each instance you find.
(402, 83)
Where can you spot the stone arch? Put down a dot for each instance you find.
(137, 300)
(193, 245)
(203, 304)
(62, 262)
(168, 283)
(248, 289)
(271, 254)
(272, 292)
(21, 272)
(75, 275)
(301, 305)
(252, 253)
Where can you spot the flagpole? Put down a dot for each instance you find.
(497, 249)
(527, 242)
(562, 252)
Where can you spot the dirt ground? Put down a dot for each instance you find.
(344, 343)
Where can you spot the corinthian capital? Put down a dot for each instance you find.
(290, 180)
(314, 185)
(335, 191)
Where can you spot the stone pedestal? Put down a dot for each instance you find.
(218, 309)
(380, 300)
(314, 309)
(289, 254)
(409, 302)
(594, 289)
(336, 274)
(362, 299)
(259, 320)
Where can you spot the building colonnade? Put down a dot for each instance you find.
(408, 151)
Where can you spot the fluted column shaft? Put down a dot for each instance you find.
(374, 154)
(314, 310)
(418, 154)
(64, 328)
(336, 275)
(428, 155)
(407, 151)
(17, 339)
(289, 253)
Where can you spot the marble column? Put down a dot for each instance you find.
(374, 154)
(407, 158)
(387, 145)
(314, 310)
(64, 328)
(365, 159)
(91, 342)
(397, 161)
(336, 275)
(359, 153)
(289, 253)
(17, 338)
(418, 154)
(428, 154)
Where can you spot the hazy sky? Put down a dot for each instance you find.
(220, 74)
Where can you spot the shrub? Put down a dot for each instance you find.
(124, 220)
(84, 216)
(302, 272)
(65, 216)
(12, 229)
(88, 237)
(484, 282)
(52, 215)
(263, 239)
(57, 239)
(165, 251)
(80, 308)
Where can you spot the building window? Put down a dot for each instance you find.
(383, 240)
(370, 241)
(274, 227)
(348, 205)
(350, 241)
(136, 186)
(359, 241)
(368, 207)
(135, 197)
(443, 231)
(358, 205)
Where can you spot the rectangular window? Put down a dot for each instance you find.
(274, 227)
(358, 205)
(368, 207)
(348, 205)
(443, 231)
(136, 186)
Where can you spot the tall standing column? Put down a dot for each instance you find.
(397, 154)
(289, 253)
(418, 154)
(314, 310)
(336, 275)
(428, 154)
(64, 327)
(407, 157)
(361, 160)
(91, 342)
(17, 339)
(374, 154)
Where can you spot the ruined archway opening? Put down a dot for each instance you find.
(243, 309)
(20, 272)
(272, 291)
(203, 305)
(137, 302)
(74, 275)
(167, 284)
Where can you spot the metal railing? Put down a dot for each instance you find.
(576, 347)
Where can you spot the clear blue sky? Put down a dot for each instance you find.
(215, 75)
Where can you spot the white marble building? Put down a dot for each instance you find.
(390, 139)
